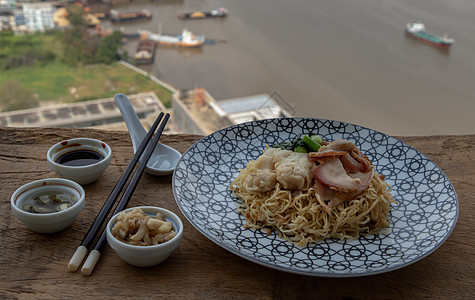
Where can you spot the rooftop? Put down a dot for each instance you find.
(211, 115)
(256, 107)
(204, 110)
(102, 113)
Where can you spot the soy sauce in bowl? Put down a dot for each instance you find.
(80, 157)
(82, 160)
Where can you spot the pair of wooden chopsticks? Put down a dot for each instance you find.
(93, 257)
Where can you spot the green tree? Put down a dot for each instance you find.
(19, 51)
(76, 37)
(81, 46)
(107, 51)
(76, 15)
(15, 97)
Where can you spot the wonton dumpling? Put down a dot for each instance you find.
(292, 170)
(271, 157)
(261, 180)
(295, 172)
(262, 177)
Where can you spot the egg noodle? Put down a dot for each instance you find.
(300, 217)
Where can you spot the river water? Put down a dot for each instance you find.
(333, 59)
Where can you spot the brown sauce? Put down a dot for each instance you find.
(80, 158)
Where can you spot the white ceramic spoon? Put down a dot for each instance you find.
(164, 158)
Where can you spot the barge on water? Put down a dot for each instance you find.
(101, 15)
(186, 39)
(116, 16)
(215, 13)
(418, 30)
(145, 52)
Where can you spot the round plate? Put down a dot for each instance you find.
(424, 218)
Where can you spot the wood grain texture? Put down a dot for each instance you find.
(33, 265)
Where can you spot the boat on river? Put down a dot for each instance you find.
(117, 16)
(101, 15)
(186, 39)
(418, 30)
(145, 52)
(215, 13)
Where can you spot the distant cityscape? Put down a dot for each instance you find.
(28, 16)
(193, 111)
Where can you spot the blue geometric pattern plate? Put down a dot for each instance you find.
(423, 219)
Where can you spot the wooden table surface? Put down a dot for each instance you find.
(35, 265)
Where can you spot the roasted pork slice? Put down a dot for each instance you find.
(348, 170)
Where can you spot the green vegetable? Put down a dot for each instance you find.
(62, 206)
(305, 144)
(313, 145)
(301, 149)
(317, 138)
(284, 146)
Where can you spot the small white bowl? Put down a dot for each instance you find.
(47, 222)
(146, 256)
(83, 174)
